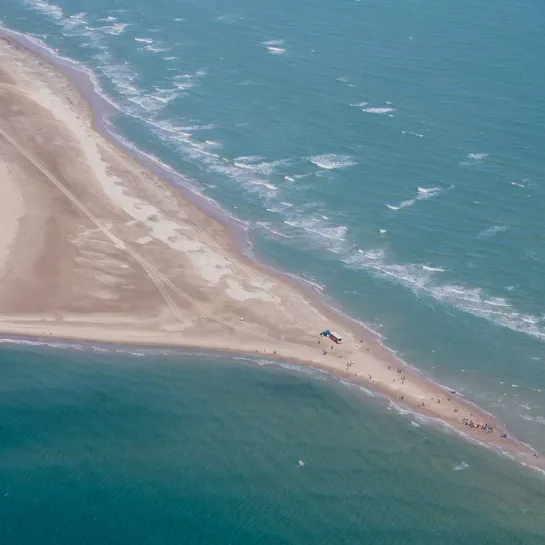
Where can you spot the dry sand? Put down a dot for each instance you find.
(94, 246)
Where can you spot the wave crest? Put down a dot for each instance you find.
(422, 280)
(423, 194)
(330, 161)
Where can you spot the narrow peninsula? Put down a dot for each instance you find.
(95, 246)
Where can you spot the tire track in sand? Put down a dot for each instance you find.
(154, 274)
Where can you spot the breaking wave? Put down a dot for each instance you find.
(382, 111)
(273, 47)
(46, 8)
(275, 50)
(320, 228)
(477, 156)
(115, 29)
(257, 165)
(491, 231)
(133, 100)
(330, 161)
(422, 280)
(422, 194)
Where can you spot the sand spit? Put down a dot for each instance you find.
(94, 246)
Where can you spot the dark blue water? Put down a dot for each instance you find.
(114, 449)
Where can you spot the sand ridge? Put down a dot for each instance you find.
(94, 246)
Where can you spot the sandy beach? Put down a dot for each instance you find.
(94, 246)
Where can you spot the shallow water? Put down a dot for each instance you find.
(115, 448)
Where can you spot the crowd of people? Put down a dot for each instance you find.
(485, 427)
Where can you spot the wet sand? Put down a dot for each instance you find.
(95, 246)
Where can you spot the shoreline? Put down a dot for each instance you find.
(136, 350)
(101, 108)
(376, 356)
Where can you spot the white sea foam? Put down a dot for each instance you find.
(274, 50)
(318, 227)
(330, 161)
(151, 102)
(493, 230)
(74, 21)
(50, 344)
(536, 419)
(497, 302)
(359, 104)
(155, 48)
(115, 30)
(257, 165)
(213, 144)
(477, 156)
(472, 300)
(380, 111)
(273, 42)
(46, 8)
(430, 268)
(250, 173)
(352, 385)
(422, 194)
(460, 467)
(413, 134)
(135, 101)
(144, 40)
(316, 374)
(267, 227)
(249, 158)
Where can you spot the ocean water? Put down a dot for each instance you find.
(115, 448)
(391, 154)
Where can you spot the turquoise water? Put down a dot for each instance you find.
(114, 448)
(388, 152)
